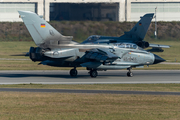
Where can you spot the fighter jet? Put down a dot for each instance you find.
(135, 35)
(54, 49)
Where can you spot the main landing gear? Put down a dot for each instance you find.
(73, 72)
(129, 74)
(93, 73)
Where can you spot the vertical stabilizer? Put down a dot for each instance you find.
(41, 31)
(139, 31)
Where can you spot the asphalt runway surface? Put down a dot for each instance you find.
(104, 77)
(88, 91)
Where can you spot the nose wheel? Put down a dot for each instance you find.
(129, 74)
(73, 72)
(93, 73)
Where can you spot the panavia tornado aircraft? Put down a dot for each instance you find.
(57, 50)
(135, 35)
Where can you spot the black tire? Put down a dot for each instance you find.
(73, 72)
(129, 74)
(93, 73)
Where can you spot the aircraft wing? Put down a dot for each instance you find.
(101, 55)
(157, 47)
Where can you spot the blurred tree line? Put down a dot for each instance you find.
(80, 30)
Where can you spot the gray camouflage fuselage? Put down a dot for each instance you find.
(127, 57)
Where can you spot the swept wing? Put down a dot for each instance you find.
(157, 47)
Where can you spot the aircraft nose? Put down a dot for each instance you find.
(158, 59)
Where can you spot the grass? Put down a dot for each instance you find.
(160, 67)
(53, 106)
(45, 106)
(10, 49)
(49, 106)
(170, 54)
(126, 87)
(11, 57)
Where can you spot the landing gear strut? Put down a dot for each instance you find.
(93, 73)
(73, 72)
(129, 74)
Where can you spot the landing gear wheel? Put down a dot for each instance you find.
(73, 72)
(129, 74)
(93, 73)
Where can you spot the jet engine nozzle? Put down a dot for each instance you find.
(143, 44)
(158, 59)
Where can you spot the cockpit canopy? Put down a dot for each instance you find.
(95, 39)
(92, 39)
(127, 45)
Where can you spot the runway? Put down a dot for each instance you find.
(104, 77)
(88, 91)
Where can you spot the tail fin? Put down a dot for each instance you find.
(139, 31)
(41, 31)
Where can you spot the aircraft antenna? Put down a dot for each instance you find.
(155, 32)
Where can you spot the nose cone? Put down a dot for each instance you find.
(158, 59)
